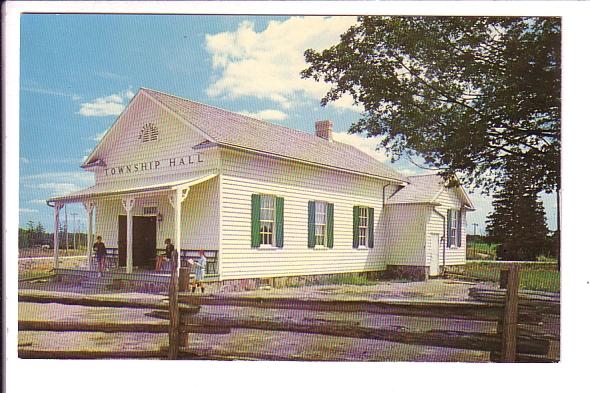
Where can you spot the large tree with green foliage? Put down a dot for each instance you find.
(466, 94)
(518, 221)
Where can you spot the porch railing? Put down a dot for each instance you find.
(112, 258)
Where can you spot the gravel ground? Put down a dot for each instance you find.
(246, 342)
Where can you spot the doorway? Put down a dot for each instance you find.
(433, 248)
(144, 241)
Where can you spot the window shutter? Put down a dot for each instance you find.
(370, 224)
(459, 219)
(355, 227)
(330, 226)
(311, 224)
(449, 213)
(279, 208)
(255, 220)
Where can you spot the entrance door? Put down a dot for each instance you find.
(144, 241)
(433, 247)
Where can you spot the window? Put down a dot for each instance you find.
(454, 228)
(267, 219)
(321, 223)
(363, 227)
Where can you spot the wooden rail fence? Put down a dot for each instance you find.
(182, 313)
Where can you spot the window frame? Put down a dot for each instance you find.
(273, 221)
(363, 240)
(323, 226)
(454, 227)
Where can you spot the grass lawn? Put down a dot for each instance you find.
(538, 276)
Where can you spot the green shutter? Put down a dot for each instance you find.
(311, 224)
(330, 226)
(370, 225)
(279, 208)
(255, 220)
(355, 227)
(449, 212)
(459, 228)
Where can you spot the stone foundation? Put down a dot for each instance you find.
(249, 284)
(412, 273)
(246, 284)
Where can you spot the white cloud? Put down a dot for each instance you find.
(80, 177)
(111, 105)
(267, 114)
(25, 210)
(59, 188)
(267, 64)
(98, 137)
(366, 145)
(58, 183)
(51, 92)
(38, 201)
(25, 160)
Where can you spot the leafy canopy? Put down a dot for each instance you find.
(466, 94)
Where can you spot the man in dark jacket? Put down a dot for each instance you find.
(167, 257)
(100, 252)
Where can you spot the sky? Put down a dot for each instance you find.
(78, 72)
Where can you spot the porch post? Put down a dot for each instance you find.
(178, 197)
(56, 208)
(128, 204)
(89, 206)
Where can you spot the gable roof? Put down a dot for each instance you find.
(424, 189)
(234, 130)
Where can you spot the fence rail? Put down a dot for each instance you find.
(183, 315)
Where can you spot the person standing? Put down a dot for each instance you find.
(167, 257)
(200, 265)
(100, 253)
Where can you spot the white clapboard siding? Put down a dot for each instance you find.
(449, 199)
(244, 174)
(407, 225)
(122, 147)
(200, 220)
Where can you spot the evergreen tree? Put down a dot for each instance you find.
(518, 221)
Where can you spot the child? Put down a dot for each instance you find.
(200, 264)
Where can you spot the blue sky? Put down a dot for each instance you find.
(79, 71)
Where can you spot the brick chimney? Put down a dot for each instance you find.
(323, 129)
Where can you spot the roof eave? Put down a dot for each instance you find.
(238, 147)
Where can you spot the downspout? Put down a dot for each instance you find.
(383, 194)
(443, 237)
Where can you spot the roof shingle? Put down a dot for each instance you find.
(233, 129)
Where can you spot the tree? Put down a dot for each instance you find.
(466, 94)
(518, 221)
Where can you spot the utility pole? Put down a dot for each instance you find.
(66, 226)
(75, 231)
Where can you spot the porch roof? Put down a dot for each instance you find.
(135, 186)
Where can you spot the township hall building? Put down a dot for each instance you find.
(263, 200)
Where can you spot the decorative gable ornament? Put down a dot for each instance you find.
(149, 132)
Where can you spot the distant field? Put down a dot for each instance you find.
(480, 250)
(39, 252)
(534, 276)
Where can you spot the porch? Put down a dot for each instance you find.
(134, 219)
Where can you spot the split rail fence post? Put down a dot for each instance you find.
(173, 334)
(510, 320)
